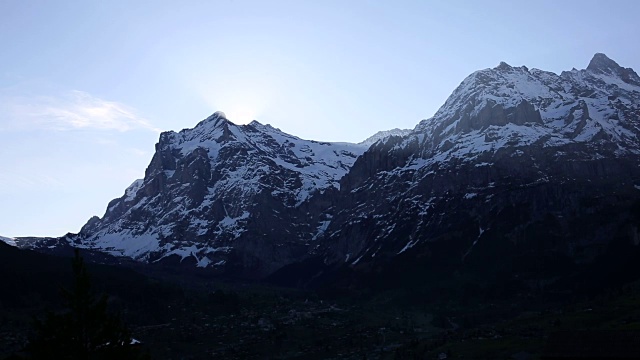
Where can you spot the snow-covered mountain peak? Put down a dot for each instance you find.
(513, 107)
(503, 66)
(8, 241)
(216, 187)
(267, 128)
(508, 138)
(601, 64)
(217, 115)
(218, 118)
(381, 135)
(259, 125)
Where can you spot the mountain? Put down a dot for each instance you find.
(522, 173)
(222, 195)
(518, 168)
(381, 135)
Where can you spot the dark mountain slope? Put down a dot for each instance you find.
(518, 169)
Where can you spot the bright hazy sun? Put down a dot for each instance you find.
(241, 105)
(240, 115)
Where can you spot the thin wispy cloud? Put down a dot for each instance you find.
(10, 183)
(69, 111)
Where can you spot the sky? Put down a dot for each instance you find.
(87, 86)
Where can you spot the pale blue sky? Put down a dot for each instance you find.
(85, 86)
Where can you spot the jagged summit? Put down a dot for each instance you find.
(264, 127)
(381, 135)
(215, 118)
(218, 114)
(514, 106)
(503, 66)
(601, 64)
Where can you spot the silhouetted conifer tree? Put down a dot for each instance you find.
(84, 330)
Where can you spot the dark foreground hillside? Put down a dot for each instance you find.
(202, 318)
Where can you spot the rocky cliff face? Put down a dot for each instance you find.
(517, 164)
(222, 196)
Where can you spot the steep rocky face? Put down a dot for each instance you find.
(8, 241)
(601, 64)
(517, 162)
(222, 196)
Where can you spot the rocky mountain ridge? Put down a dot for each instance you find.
(512, 157)
(381, 135)
(216, 188)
